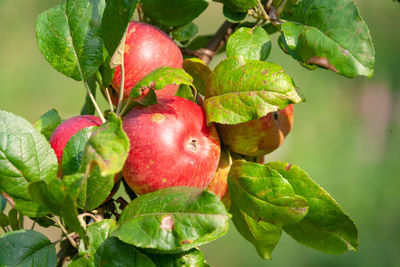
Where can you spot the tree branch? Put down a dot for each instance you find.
(215, 44)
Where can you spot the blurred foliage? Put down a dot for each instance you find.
(347, 134)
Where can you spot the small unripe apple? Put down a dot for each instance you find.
(146, 49)
(260, 136)
(170, 145)
(67, 129)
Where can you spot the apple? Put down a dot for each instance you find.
(170, 145)
(67, 129)
(219, 185)
(146, 49)
(260, 136)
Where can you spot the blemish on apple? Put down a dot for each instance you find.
(158, 118)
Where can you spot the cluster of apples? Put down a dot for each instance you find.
(170, 142)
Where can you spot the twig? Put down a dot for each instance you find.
(83, 215)
(9, 199)
(215, 44)
(71, 240)
(67, 250)
(33, 225)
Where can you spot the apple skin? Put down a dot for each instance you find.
(260, 136)
(146, 49)
(219, 184)
(170, 145)
(67, 129)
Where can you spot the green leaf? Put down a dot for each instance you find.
(3, 220)
(264, 194)
(108, 148)
(47, 123)
(95, 189)
(113, 253)
(173, 219)
(249, 43)
(106, 73)
(88, 108)
(72, 155)
(173, 13)
(240, 5)
(326, 227)
(332, 35)
(199, 42)
(159, 78)
(97, 233)
(82, 261)
(232, 16)
(185, 32)
(69, 214)
(13, 219)
(115, 21)
(3, 203)
(43, 221)
(25, 156)
(241, 90)
(60, 197)
(26, 248)
(29, 208)
(199, 71)
(191, 258)
(147, 100)
(264, 236)
(186, 92)
(68, 35)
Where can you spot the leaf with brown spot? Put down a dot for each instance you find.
(241, 90)
(321, 34)
(173, 219)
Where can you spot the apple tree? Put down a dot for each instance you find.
(183, 144)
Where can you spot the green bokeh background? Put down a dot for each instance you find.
(346, 136)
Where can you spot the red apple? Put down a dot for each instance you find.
(260, 136)
(67, 129)
(170, 145)
(146, 49)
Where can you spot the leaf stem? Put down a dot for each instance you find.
(126, 106)
(280, 8)
(94, 102)
(264, 13)
(122, 86)
(106, 93)
(71, 240)
(33, 225)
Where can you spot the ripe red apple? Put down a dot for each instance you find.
(260, 136)
(67, 129)
(146, 49)
(170, 145)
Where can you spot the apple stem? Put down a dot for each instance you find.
(281, 7)
(126, 106)
(122, 87)
(96, 106)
